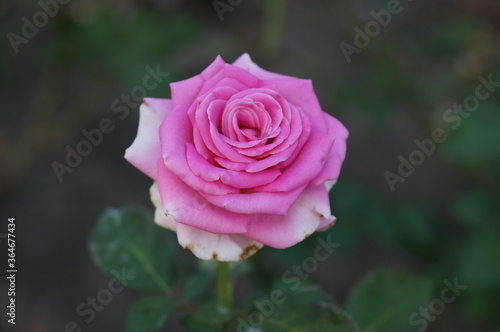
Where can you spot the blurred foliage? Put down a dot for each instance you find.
(472, 145)
(128, 239)
(396, 90)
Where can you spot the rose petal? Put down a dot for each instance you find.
(297, 91)
(225, 149)
(146, 149)
(329, 184)
(259, 165)
(277, 203)
(246, 63)
(306, 166)
(326, 223)
(228, 72)
(184, 92)
(335, 158)
(285, 151)
(188, 207)
(174, 133)
(206, 245)
(161, 219)
(208, 172)
(302, 220)
(202, 122)
(287, 134)
(300, 92)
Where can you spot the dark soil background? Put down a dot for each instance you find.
(440, 223)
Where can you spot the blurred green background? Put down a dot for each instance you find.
(441, 223)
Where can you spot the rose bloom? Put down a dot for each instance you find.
(240, 158)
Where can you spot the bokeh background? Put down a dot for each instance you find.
(441, 223)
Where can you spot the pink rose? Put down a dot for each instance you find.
(241, 157)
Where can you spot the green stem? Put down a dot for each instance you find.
(224, 290)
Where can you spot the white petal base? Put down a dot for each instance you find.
(222, 247)
(203, 244)
(161, 219)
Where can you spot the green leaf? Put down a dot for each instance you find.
(197, 284)
(307, 317)
(128, 240)
(149, 314)
(384, 300)
(304, 309)
(207, 318)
